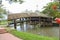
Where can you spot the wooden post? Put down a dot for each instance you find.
(8, 23)
(51, 22)
(44, 22)
(39, 22)
(26, 23)
(29, 20)
(15, 23)
(59, 25)
(21, 24)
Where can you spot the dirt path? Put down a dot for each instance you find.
(7, 36)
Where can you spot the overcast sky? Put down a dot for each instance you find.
(28, 4)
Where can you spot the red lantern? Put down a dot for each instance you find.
(57, 20)
(54, 7)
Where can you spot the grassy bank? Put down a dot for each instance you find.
(28, 36)
(3, 22)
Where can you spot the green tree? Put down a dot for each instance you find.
(50, 11)
(2, 11)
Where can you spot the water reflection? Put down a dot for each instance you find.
(45, 31)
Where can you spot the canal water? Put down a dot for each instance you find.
(44, 31)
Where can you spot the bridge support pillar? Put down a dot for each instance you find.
(15, 23)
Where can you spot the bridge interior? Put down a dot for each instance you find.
(42, 21)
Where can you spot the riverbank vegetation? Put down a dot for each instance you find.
(28, 36)
(4, 22)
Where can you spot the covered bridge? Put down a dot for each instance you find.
(31, 18)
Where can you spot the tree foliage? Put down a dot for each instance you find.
(54, 12)
(21, 1)
(2, 11)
